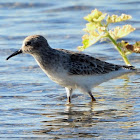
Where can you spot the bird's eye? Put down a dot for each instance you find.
(28, 43)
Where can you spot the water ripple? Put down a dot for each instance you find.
(34, 107)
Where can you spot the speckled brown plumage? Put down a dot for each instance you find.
(82, 64)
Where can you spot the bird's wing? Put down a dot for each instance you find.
(81, 64)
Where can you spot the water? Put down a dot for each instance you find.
(32, 106)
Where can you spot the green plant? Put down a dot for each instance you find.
(98, 30)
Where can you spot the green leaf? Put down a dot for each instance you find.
(98, 29)
(123, 45)
(85, 43)
(89, 40)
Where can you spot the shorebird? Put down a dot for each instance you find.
(72, 70)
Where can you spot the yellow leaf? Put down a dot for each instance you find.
(95, 16)
(91, 27)
(119, 32)
(116, 18)
(101, 30)
(93, 39)
(84, 37)
(89, 40)
(80, 48)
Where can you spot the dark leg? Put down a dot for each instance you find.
(92, 98)
(69, 93)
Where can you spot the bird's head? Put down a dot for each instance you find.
(31, 45)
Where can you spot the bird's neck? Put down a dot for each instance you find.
(46, 58)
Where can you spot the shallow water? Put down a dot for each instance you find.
(33, 106)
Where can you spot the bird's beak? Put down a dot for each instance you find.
(15, 53)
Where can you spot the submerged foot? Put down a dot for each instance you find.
(93, 99)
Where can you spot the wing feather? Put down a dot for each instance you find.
(81, 64)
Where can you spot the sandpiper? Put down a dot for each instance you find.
(72, 70)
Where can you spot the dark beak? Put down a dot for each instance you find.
(15, 53)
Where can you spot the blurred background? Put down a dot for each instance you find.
(33, 106)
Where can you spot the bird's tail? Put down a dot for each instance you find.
(129, 67)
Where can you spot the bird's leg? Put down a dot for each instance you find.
(92, 98)
(69, 93)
